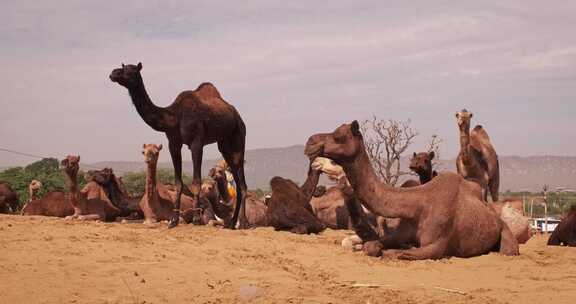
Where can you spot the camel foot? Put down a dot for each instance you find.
(373, 248)
(70, 217)
(174, 221)
(230, 225)
(353, 242)
(89, 217)
(242, 225)
(215, 223)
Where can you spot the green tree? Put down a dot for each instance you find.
(46, 171)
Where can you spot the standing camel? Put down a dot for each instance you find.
(477, 160)
(448, 218)
(196, 118)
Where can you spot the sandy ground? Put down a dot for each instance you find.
(47, 260)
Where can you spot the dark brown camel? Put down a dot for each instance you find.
(477, 160)
(54, 203)
(421, 164)
(565, 232)
(8, 198)
(449, 220)
(196, 118)
(116, 192)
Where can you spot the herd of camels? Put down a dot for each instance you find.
(440, 215)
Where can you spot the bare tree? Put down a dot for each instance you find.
(386, 141)
(434, 146)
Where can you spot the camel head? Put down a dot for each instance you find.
(342, 145)
(151, 153)
(422, 162)
(35, 185)
(128, 75)
(70, 165)
(328, 167)
(102, 177)
(463, 117)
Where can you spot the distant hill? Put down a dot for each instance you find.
(517, 173)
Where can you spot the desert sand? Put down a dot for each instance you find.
(49, 260)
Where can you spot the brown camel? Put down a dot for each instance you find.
(421, 164)
(92, 202)
(477, 160)
(448, 219)
(196, 118)
(158, 201)
(54, 203)
(565, 232)
(289, 208)
(8, 198)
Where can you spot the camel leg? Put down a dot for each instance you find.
(235, 160)
(436, 250)
(508, 243)
(90, 217)
(176, 155)
(197, 152)
(358, 218)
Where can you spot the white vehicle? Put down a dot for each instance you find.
(540, 224)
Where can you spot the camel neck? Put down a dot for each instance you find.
(425, 176)
(380, 198)
(465, 143)
(156, 117)
(151, 180)
(72, 180)
(310, 184)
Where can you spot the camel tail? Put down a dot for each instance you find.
(494, 183)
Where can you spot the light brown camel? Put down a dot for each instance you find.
(8, 198)
(158, 201)
(33, 189)
(448, 219)
(477, 160)
(92, 202)
(196, 118)
(514, 218)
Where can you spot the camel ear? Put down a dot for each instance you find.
(457, 114)
(414, 155)
(78, 157)
(143, 146)
(355, 127)
(123, 65)
(471, 114)
(431, 154)
(139, 66)
(159, 147)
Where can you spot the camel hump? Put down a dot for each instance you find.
(208, 90)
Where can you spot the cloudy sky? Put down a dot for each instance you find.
(292, 68)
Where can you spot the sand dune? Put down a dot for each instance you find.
(46, 260)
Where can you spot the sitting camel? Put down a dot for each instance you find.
(54, 203)
(225, 192)
(289, 208)
(116, 192)
(92, 202)
(477, 160)
(565, 232)
(448, 219)
(8, 198)
(158, 202)
(421, 164)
